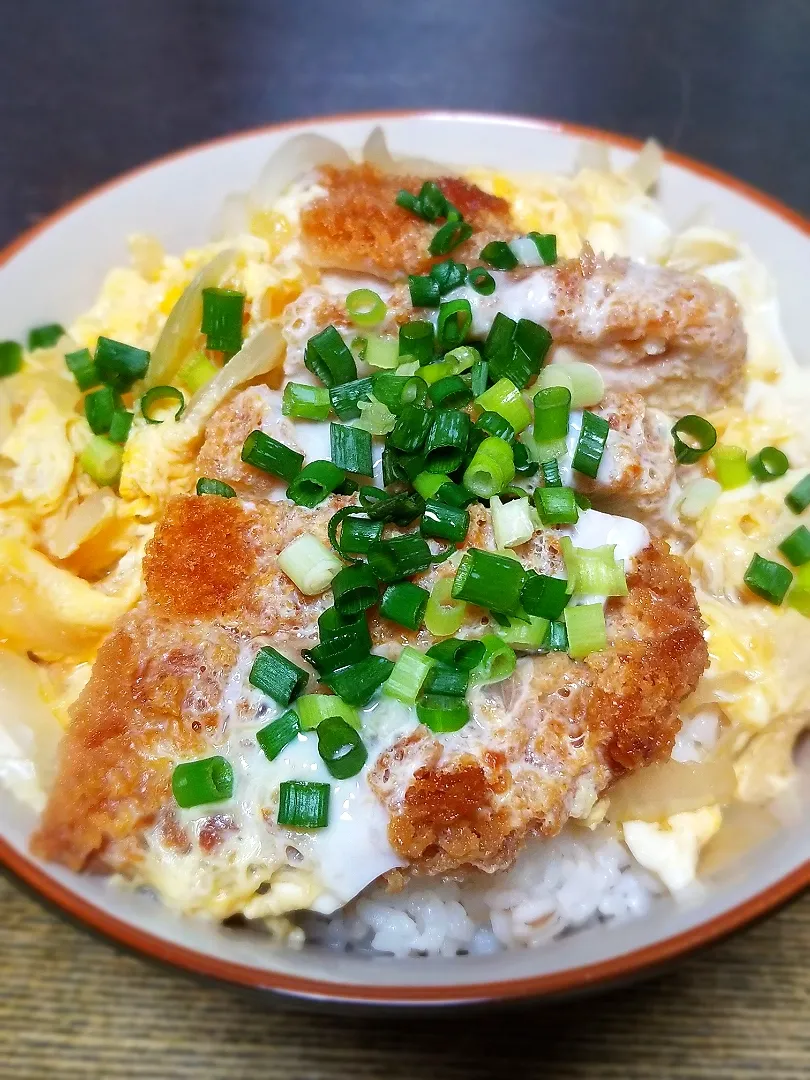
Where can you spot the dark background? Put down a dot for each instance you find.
(89, 88)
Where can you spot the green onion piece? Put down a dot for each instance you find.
(427, 484)
(479, 377)
(416, 340)
(799, 595)
(798, 498)
(397, 391)
(354, 590)
(544, 596)
(329, 358)
(444, 615)
(399, 558)
(449, 236)
(556, 505)
(492, 468)
(405, 604)
(499, 255)
(446, 441)
(437, 370)
(381, 352)
(99, 408)
(341, 747)
(305, 402)
(277, 676)
(196, 783)
(517, 351)
(693, 436)
(330, 624)
(796, 546)
(552, 408)
(79, 363)
(464, 654)
(551, 474)
(445, 679)
(222, 315)
(583, 380)
(482, 281)
(278, 734)
(365, 307)
(506, 400)
(501, 337)
(402, 508)
(593, 571)
(309, 564)
(429, 204)
(11, 361)
(45, 337)
(525, 636)
(303, 805)
(120, 365)
(524, 466)
(494, 424)
(158, 396)
(120, 426)
(196, 371)
(769, 464)
(358, 683)
(583, 502)
(448, 275)
(768, 580)
(316, 482)
(453, 324)
(591, 444)
(512, 522)
(406, 680)
(207, 486)
(408, 201)
(443, 712)
(546, 244)
(339, 650)
(271, 456)
(445, 522)
(730, 466)
(534, 341)
(410, 430)
(455, 495)
(313, 709)
(557, 637)
(351, 449)
(357, 534)
(101, 460)
(585, 626)
(463, 358)
(488, 580)
(375, 418)
(424, 291)
(452, 392)
(498, 663)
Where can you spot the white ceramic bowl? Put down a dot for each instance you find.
(54, 272)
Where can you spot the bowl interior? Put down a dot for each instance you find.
(56, 274)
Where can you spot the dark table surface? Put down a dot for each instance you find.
(89, 88)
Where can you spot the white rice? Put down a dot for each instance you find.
(576, 880)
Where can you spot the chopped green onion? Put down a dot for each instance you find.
(429, 204)
(796, 546)
(375, 418)
(222, 314)
(357, 534)
(501, 337)
(693, 436)
(405, 604)
(512, 524)
(455, 494)
(556, 505)
(303, 805)
(546, 244)
(157, 396)
(798, 498)
(769, 464)
(305, 402)
(557, 637)
(591, 444)
(445, 679)
(699, 495)
(341, 747)
(593, 571)
(544, 596)
(583, 380)
(586, 629)
(427, 484)
(524, 466)
(101, 460)
(309, 564)
(769, 580)
(498, 663)
(443, 712)
(329, 358)
(416, 340)
(358, 683)
(120, 365)
(482, 281)
(799, 595)
(351, 449)
(401, 508)
(79, 363)
(313, 709)
(525, 636)
(406, 680)
(354, 590)
(271, 456)
(463, 358)
(196, 371)
(552, 408)
(492, 468)
(314, 483)
(488, 580)
(445, 522)
(278, 734)
(499, 255)
(464, 654)
(45, 337)
(448, 275)
(365, 307)
(506, 400)
(399, 558)
(120, 426)
(444, 614)
(11, 361)
(424, 291)
(331, 624)
(451, 392)
(99, 408)
(197, 783)
(437, 370)
(446, 441)
(339, 650)
(494, 424)
(381, 352)
(277, 676)
(453, 324)
(551, 473)
(449, 236)
(410, 430)
(207, 486)
(397, 391)
(479, 377)
(730, 466)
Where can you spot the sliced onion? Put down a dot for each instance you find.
(646, 169)
(233, 219)
(294, 159)
(376, 152)
(672, 787)
(698, 497)
(82, 522)
(592, 154)
(29, 732)
(259, 355)
(583, 380)
(183, 324)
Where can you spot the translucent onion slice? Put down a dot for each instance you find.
(183, 324)
(233, 219)
(672, 787)
(698, 497)
(81, 523)
(583, 380)
(376, 152)
(293, 159)
(646, 169)
(29, 731)
(592, 154)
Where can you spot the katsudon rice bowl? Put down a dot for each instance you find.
(418, 567)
